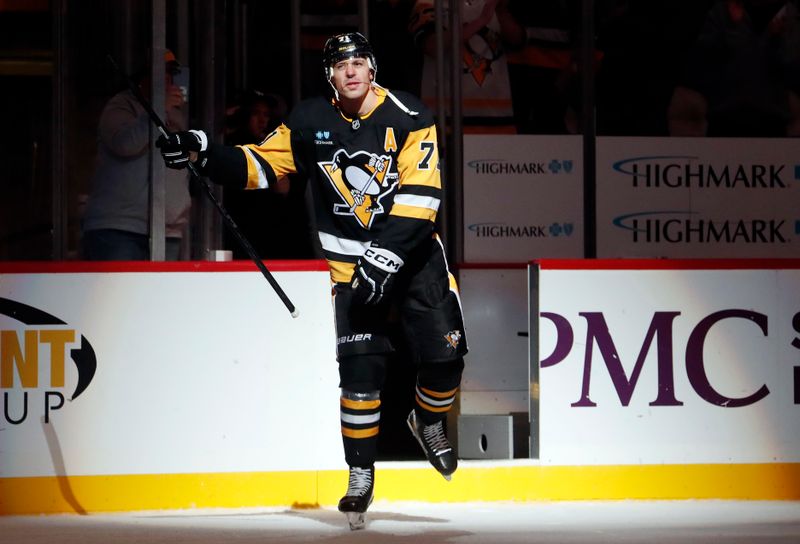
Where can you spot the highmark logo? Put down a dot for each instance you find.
(676, 227)
(502, 230)
(22, 360)
(687, 171)
(506, 167)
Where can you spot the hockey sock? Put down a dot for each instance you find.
(360, 417)
(437, 385)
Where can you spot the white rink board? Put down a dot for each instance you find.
(739, 359)
(495, 304)
(196, 372)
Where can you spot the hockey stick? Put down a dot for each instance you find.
(208, 191)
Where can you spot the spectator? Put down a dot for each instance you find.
(116, 223)
(259, 214)
(254, 116)
(643, 45)
(542, 69)
(742, 77)
(487, 29)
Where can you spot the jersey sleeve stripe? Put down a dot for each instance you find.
(413, 212)
(342, 246)
(419, 190)
(418, 201)
(256, 175)
(278, 146)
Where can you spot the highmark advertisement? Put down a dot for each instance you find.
(523, 197)
(698, 197)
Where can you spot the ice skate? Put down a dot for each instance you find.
(355, 502)
(435, 445)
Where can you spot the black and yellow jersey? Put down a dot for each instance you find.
(373, 178)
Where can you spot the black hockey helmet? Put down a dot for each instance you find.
(347, 46)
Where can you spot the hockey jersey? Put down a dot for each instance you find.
(373, 178)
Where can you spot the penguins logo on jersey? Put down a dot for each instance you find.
(361, 180)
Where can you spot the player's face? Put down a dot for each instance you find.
(352, 78)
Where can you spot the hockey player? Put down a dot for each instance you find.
(372, 160)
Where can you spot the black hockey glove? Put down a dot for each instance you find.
(374, 274)
(176, 148)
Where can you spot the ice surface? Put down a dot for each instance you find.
(618, 522)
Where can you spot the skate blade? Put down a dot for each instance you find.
(357, 520)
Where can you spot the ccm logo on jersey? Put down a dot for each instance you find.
(383, 259)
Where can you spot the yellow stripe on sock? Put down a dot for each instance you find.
(438, 394)
(360, 404)
(359, 433)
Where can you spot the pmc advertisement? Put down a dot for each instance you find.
(670, 366)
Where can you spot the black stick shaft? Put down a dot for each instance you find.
(231, 224)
